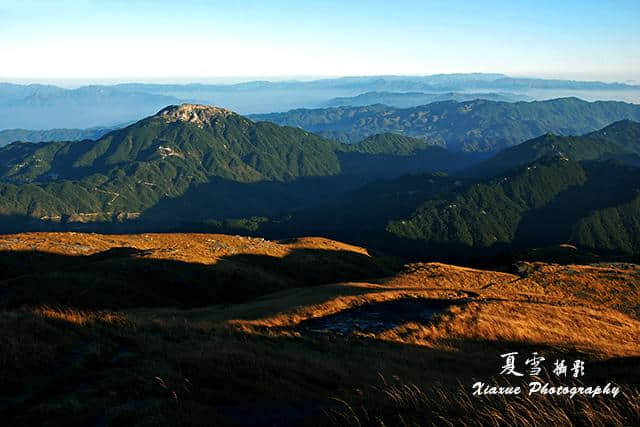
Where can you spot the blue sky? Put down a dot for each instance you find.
(198, 39)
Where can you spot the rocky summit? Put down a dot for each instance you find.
(199, 115)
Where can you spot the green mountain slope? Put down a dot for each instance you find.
(206, 141)
(548, 202)
(470, 126)
(389, 155)
(620, 140)
(361, 215)
(553, 200)
(615, 228)
(130, 170)
(204, 168)
(195, 163)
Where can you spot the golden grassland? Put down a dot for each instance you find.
(192, 248)
(251, 360)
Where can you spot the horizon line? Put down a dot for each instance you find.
(239, 79)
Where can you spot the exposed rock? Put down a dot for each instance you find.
(199, 115)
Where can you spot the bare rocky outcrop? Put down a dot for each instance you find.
(199, 115)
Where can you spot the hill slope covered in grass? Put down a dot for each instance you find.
(402, 347)
(115, 271)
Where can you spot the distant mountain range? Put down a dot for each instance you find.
(12, 135)
(432, 83)
(204, 168)
(413, 99)
(48, 107)
(41, 107)
(477, 126)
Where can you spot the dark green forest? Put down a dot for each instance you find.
(475, 126)
(196, 168)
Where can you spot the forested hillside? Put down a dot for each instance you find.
(479, 125)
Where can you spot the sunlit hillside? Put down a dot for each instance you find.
(170, 329)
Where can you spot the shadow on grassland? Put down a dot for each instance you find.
(122, 277)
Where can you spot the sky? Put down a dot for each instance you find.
(199, 40)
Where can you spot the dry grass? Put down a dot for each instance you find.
(497, 310)
(604, 333)
(191, 248)
(82, 318)
(615, 285)
(443, 276)
(209, 365)
(402, 404)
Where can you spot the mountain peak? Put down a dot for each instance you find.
(193, 113)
